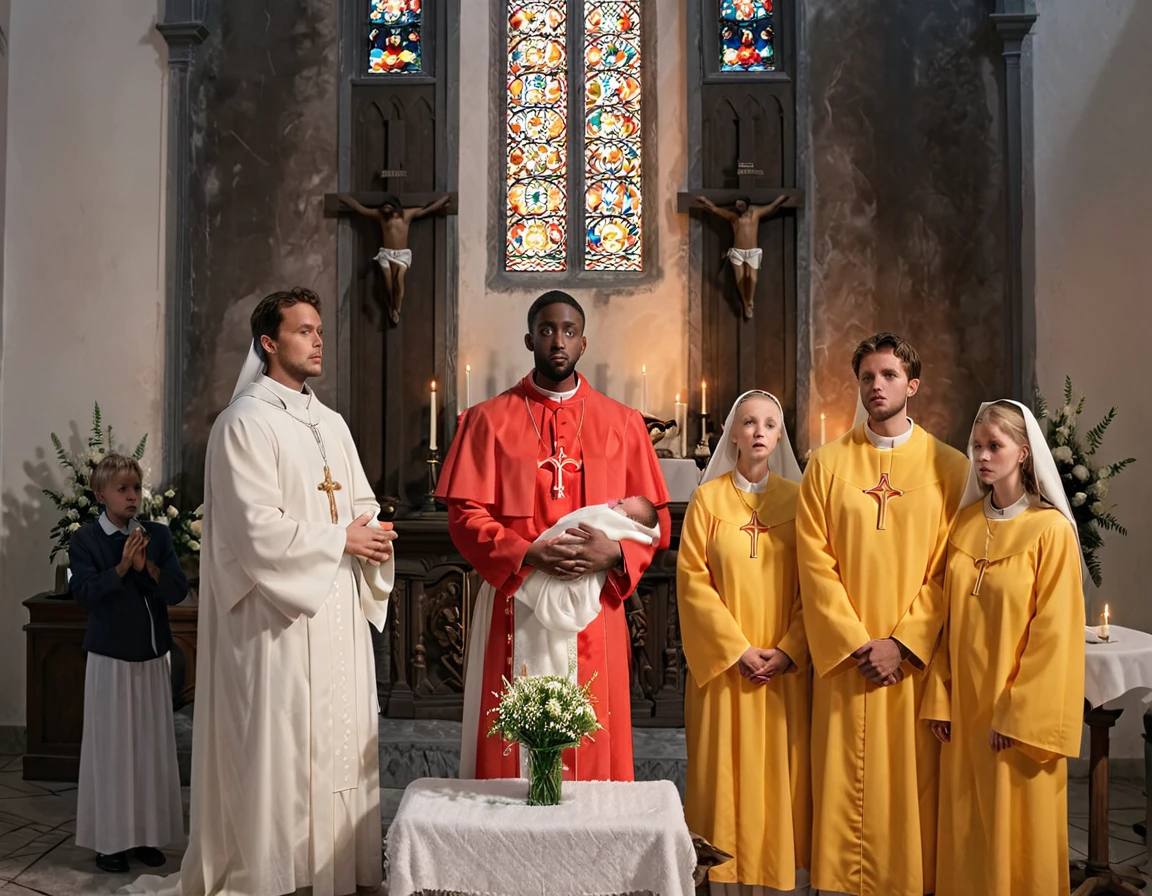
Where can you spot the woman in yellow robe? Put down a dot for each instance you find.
(746, 703)
(1005, 692)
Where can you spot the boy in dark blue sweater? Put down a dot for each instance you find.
(126, 574)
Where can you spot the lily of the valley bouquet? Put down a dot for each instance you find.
(1085, 481)
(77, 502)
(545, 714)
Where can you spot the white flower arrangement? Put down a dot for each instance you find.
(1081, 479)
(544, 712)
(77, 502)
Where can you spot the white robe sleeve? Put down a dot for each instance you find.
(378, 578)
(291, 563)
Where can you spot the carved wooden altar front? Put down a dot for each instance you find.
(420, 656)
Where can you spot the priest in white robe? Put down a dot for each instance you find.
(294, 567)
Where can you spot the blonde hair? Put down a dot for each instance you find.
(1006, 417)
(112, 466)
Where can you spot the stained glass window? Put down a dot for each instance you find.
(746, 40)
(612, 149)
(394, 36)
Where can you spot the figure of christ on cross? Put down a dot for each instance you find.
(394, 256)
(745, 254)
(548, 446)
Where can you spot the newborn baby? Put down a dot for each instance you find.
(545, 641)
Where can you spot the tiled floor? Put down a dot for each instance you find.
(39, 858)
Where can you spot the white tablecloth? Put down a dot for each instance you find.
(681, 475)
(479, 837)
(1114, 668)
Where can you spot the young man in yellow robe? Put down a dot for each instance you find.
(746, 701)
(874, 513)
(1005, 693)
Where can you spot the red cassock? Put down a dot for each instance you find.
(518, 463)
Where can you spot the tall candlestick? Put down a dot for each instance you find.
(467, 386)
(643, 388)
(432, 421)
(1104, 633)
(823, 430)
(682, 426)
(703, 397)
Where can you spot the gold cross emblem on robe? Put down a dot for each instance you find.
(331, 486)
(883, 492)
(559, 462)
(754, 528)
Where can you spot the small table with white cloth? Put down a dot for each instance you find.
(605, 837)
(1111, 670)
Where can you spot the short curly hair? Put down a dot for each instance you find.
(269, 314)
(888, 342)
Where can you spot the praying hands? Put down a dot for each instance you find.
(760, 665)
(879, 662)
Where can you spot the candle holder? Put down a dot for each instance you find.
(703, 453)
(433, 478)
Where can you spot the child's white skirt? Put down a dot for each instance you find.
(129, 793)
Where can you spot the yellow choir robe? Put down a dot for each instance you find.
(748, 778)
(1012, 660)
(874, 764)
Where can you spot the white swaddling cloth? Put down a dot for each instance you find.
(545, 639)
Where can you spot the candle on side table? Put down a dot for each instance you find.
(432, 420)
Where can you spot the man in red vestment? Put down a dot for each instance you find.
(549, 445)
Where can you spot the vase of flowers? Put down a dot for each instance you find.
(77, 502)
(545, 714)
(1085, 480)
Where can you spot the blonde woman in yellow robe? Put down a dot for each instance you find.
(1005, 693)
(746, 702)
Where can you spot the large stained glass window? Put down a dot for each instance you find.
(394, 36)
(537, 137)
(747, 43)
(546, 140)
(612, 151)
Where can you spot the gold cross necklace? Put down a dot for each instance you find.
(559, 461)
(753, 527)
(329, 485)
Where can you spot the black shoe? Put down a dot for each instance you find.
(151, 856)
(115, 863)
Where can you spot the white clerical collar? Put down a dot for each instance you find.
(992, 512)
(293, 401)
(756, 488)
(885, 443)
(110, 528)
(555, 396)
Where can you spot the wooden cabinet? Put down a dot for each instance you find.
(55, 680)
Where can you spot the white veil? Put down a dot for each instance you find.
(1047, 476)
(252, 370)
(781, 462)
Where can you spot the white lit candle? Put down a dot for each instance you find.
(1104, 627)
(823, 428)
(703, 397)
(682, 426)
(643, 388)
(467, 386)
(432, 421)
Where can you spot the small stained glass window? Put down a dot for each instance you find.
(612, 145)
(394, 44)
(747, 42)
(537, 173)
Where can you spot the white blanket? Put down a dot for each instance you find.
(479, 837)
(545, 642)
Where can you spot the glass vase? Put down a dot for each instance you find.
(545, 776)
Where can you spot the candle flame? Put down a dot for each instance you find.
(644, 369)
(468, 368)
(1105, 612)
(677, 398)
(433, 385)
(823, 417)
(703, 384)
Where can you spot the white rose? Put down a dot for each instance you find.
(171, 493)
(1062, 455)
(1099, 489)
(1078, 499)
(199, 511)
(1104, 472)
(96, 456)
(1080, 472)
(173, 513)
(196, 527)
(158, 501)
(1098, 509)
(193, 545)
(1068, 410)
(82, 501)
(73, 527)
